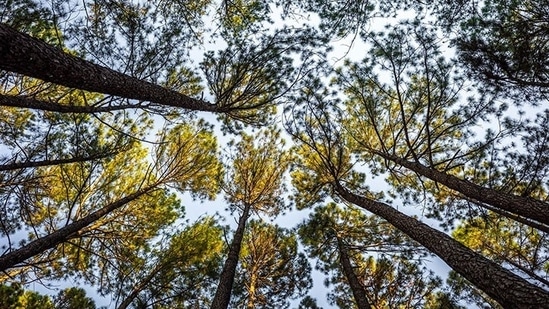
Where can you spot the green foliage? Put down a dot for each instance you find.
(187, 157)
(271, 270)
(254, 74)
(389, 283)
(324, 157)
(73, 298)
(179, 273)
(363, 237)
(256, 177)
(238, 16)
(403, 99)
(407, 99)
(14, 296)
(308, 303)
(503, 44)
(359, 231)
(508, 242)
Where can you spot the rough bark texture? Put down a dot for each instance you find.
(506, 214)
(31, 103)
(503, 286)
(226, 280)
(358, 290)
(39, 163)
(26, 55)
(522, 206)
(63, 234)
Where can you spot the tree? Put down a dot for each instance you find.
(345, 247)
(14, 296)
(73, 298)
(181, 274)
(271, 271)
(245, 78)
(308, 303)
(413, 127)
(520, 247)
(331, 162)
(254, 185)
(186, 158)
(87, 193)
(502, 44)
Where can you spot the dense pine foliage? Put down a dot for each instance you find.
(400, 135)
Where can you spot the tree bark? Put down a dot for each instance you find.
(63, 234)
(522, 206)
(29, 56)
(526, 221)
(31, 103)
(226, 280)
(508, 289)
(40, 163)
(358, 290)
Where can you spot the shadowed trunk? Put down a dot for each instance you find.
(40, 163)
(32, 103)
(65, 233)
(508, 289)
(223, 293)
(23, 54)
(358, 290)
(522, 206)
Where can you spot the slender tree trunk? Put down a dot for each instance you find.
(29, 56)
(522, 206)
(224, 288)
(63, 234)
(358, 290)
(508, 289)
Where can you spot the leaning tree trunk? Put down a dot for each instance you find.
(523, 206)
(508, 289)
(358, 290)
(65, 233)
(32, 103)
(49, 162)
(23, 54)
(224, 288)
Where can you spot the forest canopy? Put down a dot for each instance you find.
(274, 154)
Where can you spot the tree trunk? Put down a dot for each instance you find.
(224, 288)
(358, 290)
(506, 214)
(503, 286)
(63, 234)
(522, 206)
(31, 103)
(29, 56)
(39, 163)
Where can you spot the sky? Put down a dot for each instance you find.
(343, 48)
